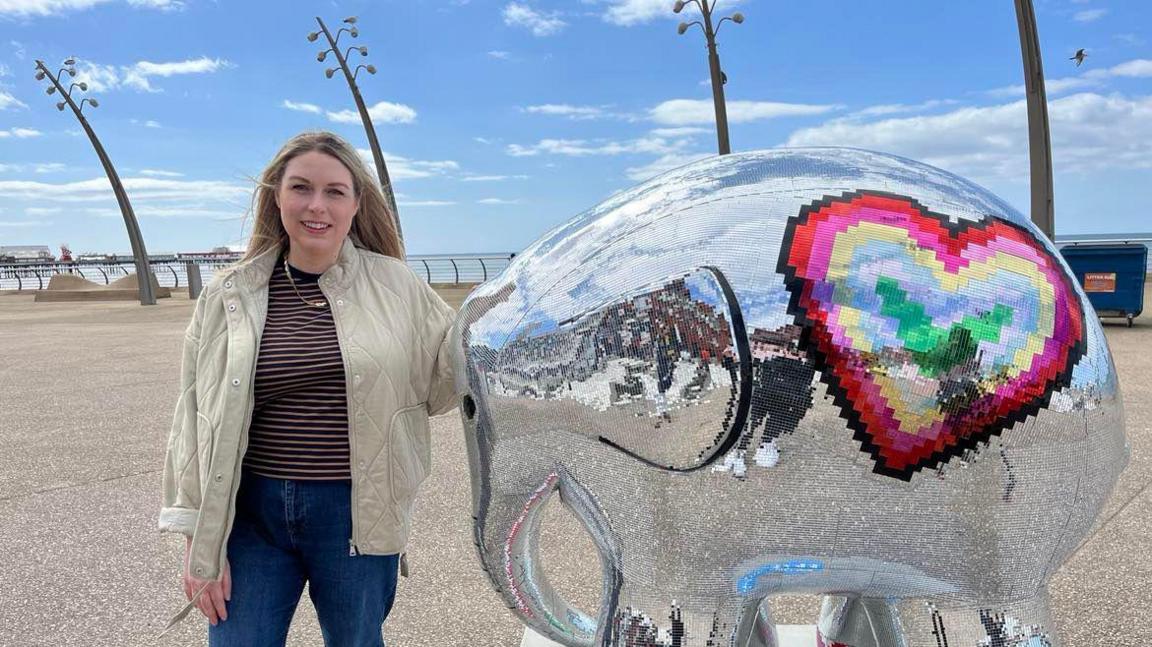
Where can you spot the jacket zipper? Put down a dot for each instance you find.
(353, 548)
(258, 332)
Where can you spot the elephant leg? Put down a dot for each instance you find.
(756, 628)
(872, 622)
(852, 621)
(1026, 623)
(509, 547)
(675, 624)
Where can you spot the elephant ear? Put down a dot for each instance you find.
(660, 372)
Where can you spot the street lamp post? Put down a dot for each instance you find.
(350, 76)
(718, 77)
(143, 271)
(1039, 137)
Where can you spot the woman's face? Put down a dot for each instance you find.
(317, 204)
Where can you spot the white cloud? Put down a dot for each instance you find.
(688, 112)
(5, 70)
(138, 76)
(1136, 68)
(152, 124)
(492, 178)
(1052, 87)
(425, 203)
(158, 173)
(1129, 39)
(1068, 83)
(100, 78)
(566, 110)
(382, 112)
(202, 65)
(19, 133)
(496, 201)
(627, 13)
(9, 102)
(540, 24)
(39, 167)
(633, 12)
(664, 163)
(24, 223)
(178, 211)
(583, 148)
(682, 131)
(499, 54)
(1140, 67)
(140, 189)
(1089, 15)
(1089, 132)
(746, 111)
(902, 108)
(302, 107)
(28, 8)
(402, 168)
(163, 5)
(482, 140)
(42, 211)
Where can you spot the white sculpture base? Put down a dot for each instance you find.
(790, 636)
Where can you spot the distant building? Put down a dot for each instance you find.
(90, 257)
(217, 254)
(26, 254)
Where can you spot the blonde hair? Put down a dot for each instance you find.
(373, 228)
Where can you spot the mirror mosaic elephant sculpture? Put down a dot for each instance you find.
(824, 371)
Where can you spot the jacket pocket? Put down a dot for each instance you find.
(410, 452)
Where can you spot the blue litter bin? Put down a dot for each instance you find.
(1112, 275)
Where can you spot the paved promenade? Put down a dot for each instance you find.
(86, 396)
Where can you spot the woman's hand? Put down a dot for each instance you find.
(211, 602)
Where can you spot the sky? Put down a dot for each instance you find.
(500, 120)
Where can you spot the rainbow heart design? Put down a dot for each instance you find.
(933, 335)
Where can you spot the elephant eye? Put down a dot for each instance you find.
(660, 372)
(468, 407)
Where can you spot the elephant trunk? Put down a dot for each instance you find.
(509, 544)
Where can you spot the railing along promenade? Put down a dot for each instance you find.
(171, 271)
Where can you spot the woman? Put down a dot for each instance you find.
(301, 433)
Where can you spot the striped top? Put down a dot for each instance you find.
(300, 421)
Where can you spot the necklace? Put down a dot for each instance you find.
(322, 303)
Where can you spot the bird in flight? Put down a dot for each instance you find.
(1079, 56)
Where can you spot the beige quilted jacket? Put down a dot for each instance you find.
(393, 332)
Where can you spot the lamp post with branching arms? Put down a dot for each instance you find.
(143, 272)
(1039, 138)
(718, 77)
(350, 76)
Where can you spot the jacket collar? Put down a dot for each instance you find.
(257, 272)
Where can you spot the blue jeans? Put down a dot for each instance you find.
(290, 532)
